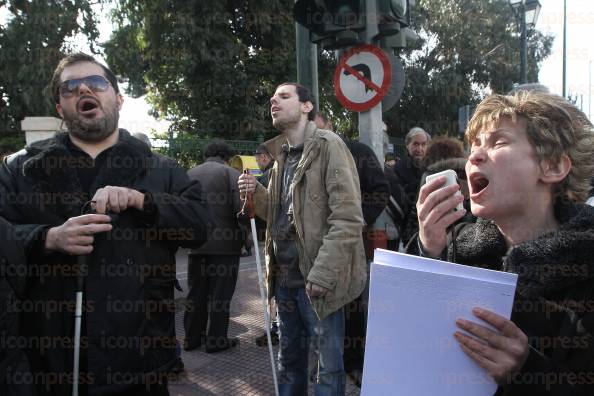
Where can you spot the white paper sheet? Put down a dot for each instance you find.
(413, 305)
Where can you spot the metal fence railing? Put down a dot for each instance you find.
(188, 150)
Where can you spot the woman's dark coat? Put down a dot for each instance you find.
(554, 303)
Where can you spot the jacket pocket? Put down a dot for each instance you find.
(157, 341)
(314, 188)
(158, 300)
(159, 309)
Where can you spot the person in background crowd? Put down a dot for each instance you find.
(323, 122)
(390, 160)
(410, 169)
(396, 207)
(375, 194)
(532, 156)
(126, 258)
(442, 148)
(443, 153)
(213, 267)
(265, 163)
(314, 249)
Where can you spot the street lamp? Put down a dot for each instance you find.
(526, 12)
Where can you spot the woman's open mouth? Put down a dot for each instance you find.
(478, 183)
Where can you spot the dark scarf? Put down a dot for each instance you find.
(49, 167)
(549, 264)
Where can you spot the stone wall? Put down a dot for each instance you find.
(39, 128)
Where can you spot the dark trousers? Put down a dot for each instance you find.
(211, 280)
(354, 334)
(393, 244)
(355, 328)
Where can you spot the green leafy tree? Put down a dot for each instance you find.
(469, 48)
(210, 66)
(35, 36)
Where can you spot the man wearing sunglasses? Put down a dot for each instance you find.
(143, 207)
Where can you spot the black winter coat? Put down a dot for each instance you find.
(554, 303)
(455, 164)
(128, 328)
(14, 366)
(409, 178)
(222, 194)
(375, 191)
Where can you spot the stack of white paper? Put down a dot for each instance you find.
(413, 306)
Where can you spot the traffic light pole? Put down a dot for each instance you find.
(307, 62)
(370, 122)
(523, 45)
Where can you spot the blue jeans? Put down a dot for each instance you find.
(299, 326)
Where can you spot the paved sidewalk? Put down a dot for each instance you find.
(243, 370)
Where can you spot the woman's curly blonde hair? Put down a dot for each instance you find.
(554, 127)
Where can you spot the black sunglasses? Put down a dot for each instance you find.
(95, 83)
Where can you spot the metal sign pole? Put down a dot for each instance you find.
(370, 122)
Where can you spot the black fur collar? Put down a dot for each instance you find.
(548, 264)
(50, 168)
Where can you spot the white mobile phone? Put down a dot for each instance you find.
(452, 179)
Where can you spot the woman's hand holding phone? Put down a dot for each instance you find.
(438, 207)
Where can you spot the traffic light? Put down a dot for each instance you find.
(392, 16)
(393, 24)
(332, 23)
(406, 38)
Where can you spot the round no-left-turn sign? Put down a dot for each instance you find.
(362, 78)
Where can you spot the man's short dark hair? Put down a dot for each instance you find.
(261, 149)
(71, 60)
(322, 116)
(218, 148)
(304, 95)
(442, 148)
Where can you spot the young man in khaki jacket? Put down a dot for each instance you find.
(314, 251)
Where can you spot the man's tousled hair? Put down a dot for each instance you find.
(304, 95)
(554, 127)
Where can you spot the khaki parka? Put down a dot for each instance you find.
(327, 215)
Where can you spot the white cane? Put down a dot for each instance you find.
(82, 267)
(80, 285)
(263, 294)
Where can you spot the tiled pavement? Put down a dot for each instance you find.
(243, 370)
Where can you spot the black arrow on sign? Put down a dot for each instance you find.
(361, 67)
(356, 71)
